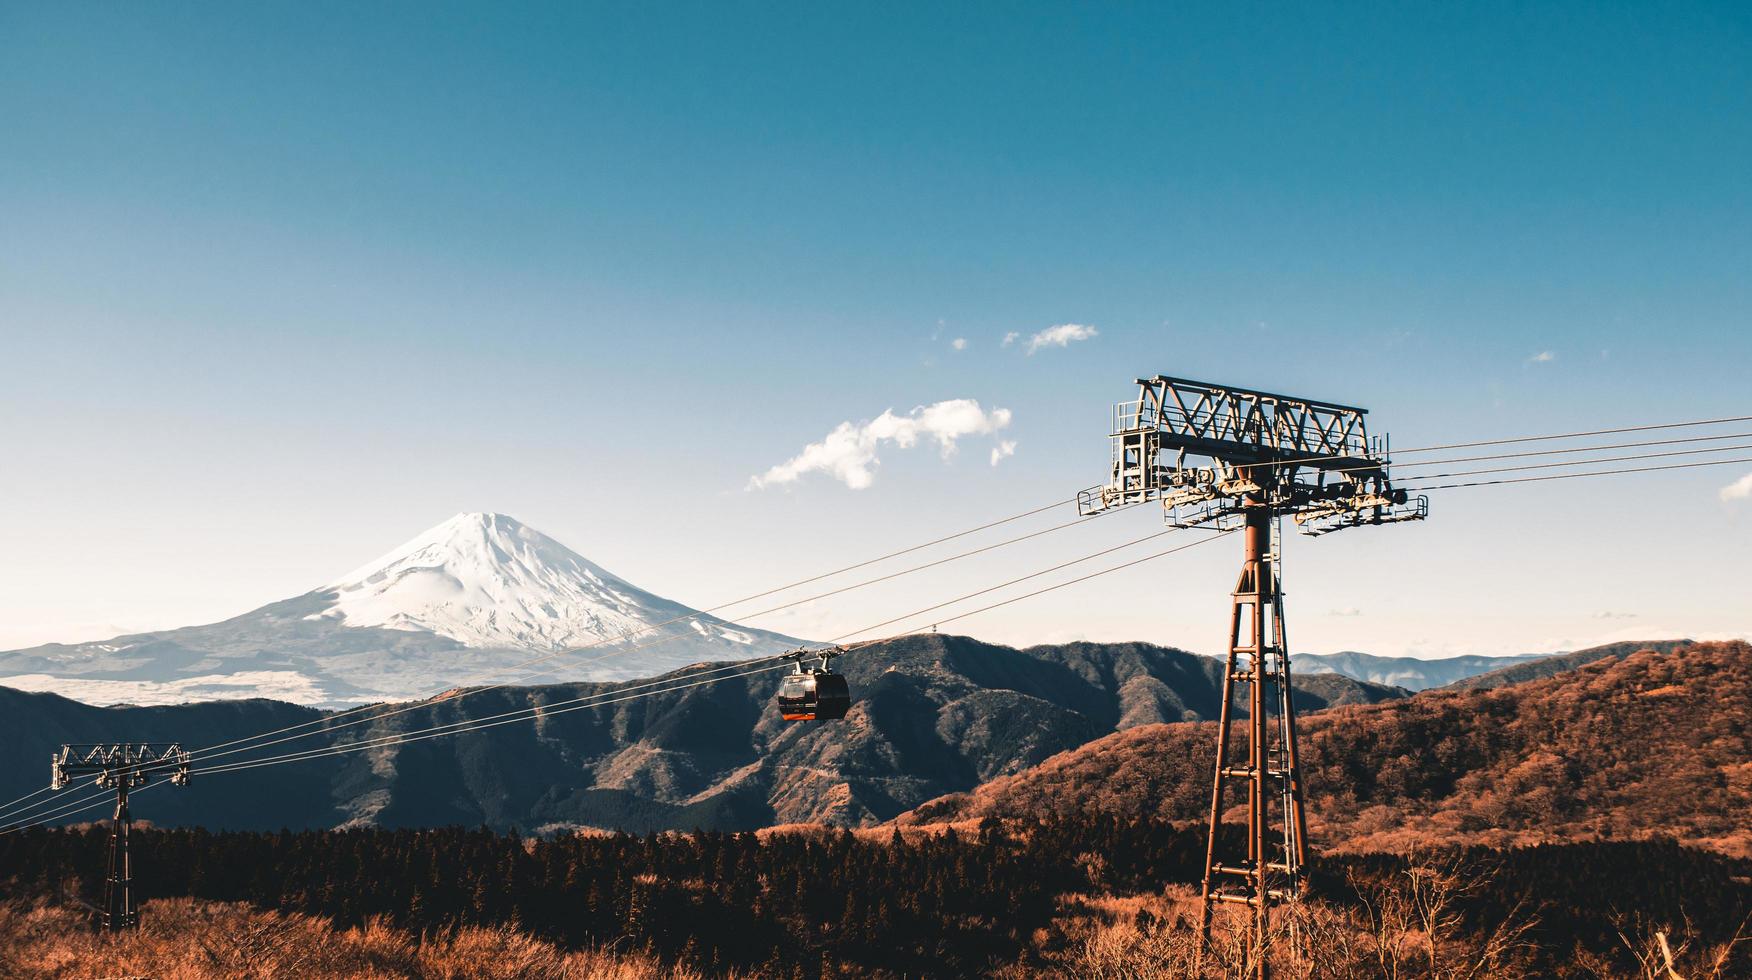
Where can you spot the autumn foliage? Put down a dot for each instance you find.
(1650, 745)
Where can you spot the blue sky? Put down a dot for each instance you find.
(282, 286)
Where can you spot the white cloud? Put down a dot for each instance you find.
(959, 343)
(1543, 357)
(1004, 448)
(1060, 336)
(1347, 611)
(1009, 338)
(1609, 614)
(849, 452)
(1740, 489)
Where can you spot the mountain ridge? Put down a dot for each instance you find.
(1411, 673)
(1562, 662)
(933, 713)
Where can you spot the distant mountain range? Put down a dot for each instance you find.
(1541, 667)
(477, 594)
(1415, 674)
(1411, 673)
(1614, 742)
(934, 714)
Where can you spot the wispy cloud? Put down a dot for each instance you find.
(1543, 357)
(1609, 614)
(849, 452)
(1004, 448)
(1060, 336)
(959, 343)
(1346, 611)
(1010, 338)
(1740, 489)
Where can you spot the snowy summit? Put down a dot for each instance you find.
(487, 580)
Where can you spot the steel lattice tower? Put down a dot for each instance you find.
(122, 767)
(1264, 456)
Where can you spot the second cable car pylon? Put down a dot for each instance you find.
(1235, 459)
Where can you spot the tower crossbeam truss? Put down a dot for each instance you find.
(1238, 459)
(1203, 449)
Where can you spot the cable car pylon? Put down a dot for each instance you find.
(122, 767)
(1236, 459)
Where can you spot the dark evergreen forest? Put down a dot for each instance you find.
(831, 902)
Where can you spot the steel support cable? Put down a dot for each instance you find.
(1279, 464)
(679, 619)
(1579, 435)
(89, 803)
(1516, 439)
(26, 815)
(466, 725)
(1573, 476)
(7, 807)
(1583, 462)
(1085, 578)
(1579, 449)
(1014, 581)
(1541, 453)
(581, 701)
(563, 707)
(208, 755)
(868, 582)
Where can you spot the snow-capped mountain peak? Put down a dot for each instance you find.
(390, 630)
(487, 580)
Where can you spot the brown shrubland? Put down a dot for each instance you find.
(1406, 927)
(185, 939)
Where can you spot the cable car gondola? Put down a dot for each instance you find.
(814, 693)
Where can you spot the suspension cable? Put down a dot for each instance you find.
(1578, 435)
(549, 709)
(207, 755)
(78, 806)
(563, 707)
(25, 814)
(7, 808)
(1574, 476)
(1584, 462)
(1578, 449)
(655, 626)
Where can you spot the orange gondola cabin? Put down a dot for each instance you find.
(814, 694)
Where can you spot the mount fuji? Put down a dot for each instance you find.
(468, 601)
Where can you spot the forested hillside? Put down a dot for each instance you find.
(934, 714)
(1653, 744)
